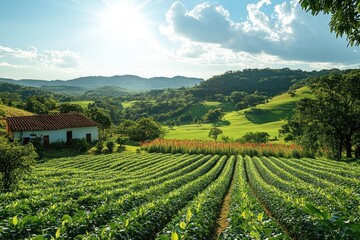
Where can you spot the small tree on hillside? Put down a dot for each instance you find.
(15, 160)
(215, 132)
(214, 115)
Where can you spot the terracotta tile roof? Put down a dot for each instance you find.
(48, 122)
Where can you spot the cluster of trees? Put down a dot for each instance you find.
(140, 130)
(331, 121)
(15, 160)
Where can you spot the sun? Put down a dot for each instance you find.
(122, 21)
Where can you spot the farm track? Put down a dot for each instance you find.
(222, 221)
(148, 196)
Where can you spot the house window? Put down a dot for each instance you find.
(25, 140)
(46, 141)
(88, 137)
(68, 137)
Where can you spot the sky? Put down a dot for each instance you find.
(42, 39)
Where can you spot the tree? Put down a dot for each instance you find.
(257, 137)
(126, 128)
(332, 119)
(70, 107)
(141, 130)
(215, 132)
(110, 145)
(15, 160)
(236, 96)
(100, 116)
(214, 115)
(345, 16)
(147, 129)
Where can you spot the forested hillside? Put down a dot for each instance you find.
(269, 82)
(130, 82)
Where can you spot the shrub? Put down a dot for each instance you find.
(99, 146)
(15, 160)
(80, 145)
(58, 145)
(110, 145)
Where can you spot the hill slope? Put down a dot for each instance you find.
(6, 111)
(268, 117)
(269, 82)
(129, 82)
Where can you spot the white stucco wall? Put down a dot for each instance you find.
(60, 135)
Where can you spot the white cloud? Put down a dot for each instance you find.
(286, 34)
(16, 57)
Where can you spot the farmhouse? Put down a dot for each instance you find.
(52, 127)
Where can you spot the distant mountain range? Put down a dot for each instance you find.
(129, 82)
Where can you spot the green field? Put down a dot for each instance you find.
(268, 117)
(165, 196)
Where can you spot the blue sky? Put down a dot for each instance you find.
(42, 39)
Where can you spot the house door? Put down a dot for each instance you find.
(46, 141)
(68, 137)
(88, 137)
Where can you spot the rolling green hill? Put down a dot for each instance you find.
(268, 117)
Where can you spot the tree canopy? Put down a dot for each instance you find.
(332, 119)
(15, 160)
(345, 16)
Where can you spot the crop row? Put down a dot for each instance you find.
(174, 196)
(307, 206)
(88, 210)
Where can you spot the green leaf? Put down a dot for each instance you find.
(243, 214)
(182, 225)
(127, 222)
(15, 220)
(174, 236)
(260, 217)
(188, 215)
(164, 237)
(57, 234)
(312, 209)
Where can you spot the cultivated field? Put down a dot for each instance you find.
(174, 196)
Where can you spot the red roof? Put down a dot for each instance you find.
(48, 122)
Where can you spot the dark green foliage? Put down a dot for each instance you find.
(214, 115)
(40, 104)
(112, 106)
(141, 130)
(80, 145)
(345, 16)
(58, 145)
(332, 120)
(147, 129)
(99, 146)
(257, 137)
(100, 116)
(122, 140)
(21, 91)
(110, 145)
(215, 132)
(268, 81)
(70, 107)
(107, 91)
(15, 160)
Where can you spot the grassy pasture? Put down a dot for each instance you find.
(268, 117)
(13, 112)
